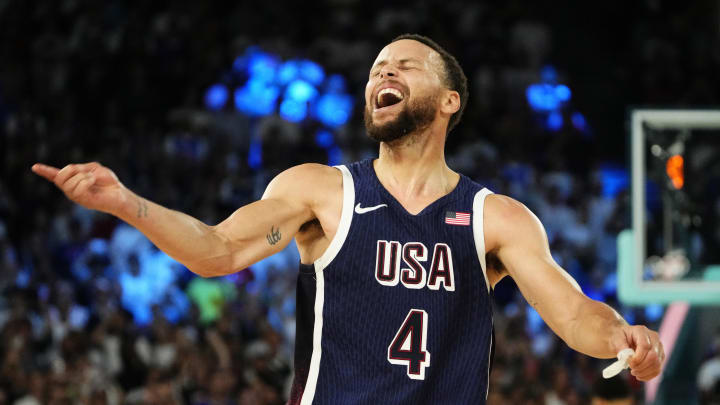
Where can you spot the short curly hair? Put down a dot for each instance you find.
(454, 77)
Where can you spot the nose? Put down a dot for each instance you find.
(388, 71)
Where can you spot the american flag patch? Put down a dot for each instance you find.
(457, 218)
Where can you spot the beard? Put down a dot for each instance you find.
(415, 116)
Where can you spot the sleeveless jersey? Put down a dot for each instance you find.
(397, 310)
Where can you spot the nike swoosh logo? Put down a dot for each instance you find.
(361, 210)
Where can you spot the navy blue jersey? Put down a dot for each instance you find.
(397, 310)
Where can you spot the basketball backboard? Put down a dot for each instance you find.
(672, 252)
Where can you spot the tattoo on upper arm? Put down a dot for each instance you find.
(142, 209)
(274, 236)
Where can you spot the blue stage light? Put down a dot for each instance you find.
(579, 122)
(548, 74)
(614, 179)
(255, 154)
(288, 72)
(240, 64)
(542, 97)
(335, 84)
(334, 156)
(256, 98)
(301, 83)
(554, 121)
(324, 138)
(334, 110)
(654, 312)
(562, 92)
(292, 110)
(262, 66)
(311, 72)
(300, 91)
(216, 97)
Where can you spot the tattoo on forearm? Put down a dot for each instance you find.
(141, 209)
(274, 236)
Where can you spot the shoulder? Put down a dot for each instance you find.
(305, 181)
(307, 173)
(503, 208)
(507, 220)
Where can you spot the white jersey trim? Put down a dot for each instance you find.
(320, 264)
(345, 220)
(311, 383)
(479, 231)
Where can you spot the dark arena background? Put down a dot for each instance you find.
(197, 105)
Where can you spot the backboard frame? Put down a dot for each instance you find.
(632, 289)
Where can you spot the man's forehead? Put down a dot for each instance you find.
(406, 49)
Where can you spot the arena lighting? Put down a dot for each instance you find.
(548, 99)
(554, 121)
(579, 122)
(324, 138)
(614, 179)
(293, 110)
(335, 84)
(654, 312)
(216, 97)
(300, 91)
(334, 156)
(288, 72)
(311, 72)
(255, 154)
(297, 89)
(674, 169)
(262, 66)
(334, 110)
(256, 98)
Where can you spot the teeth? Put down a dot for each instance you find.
(390, 90)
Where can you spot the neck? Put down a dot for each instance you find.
(414, 165)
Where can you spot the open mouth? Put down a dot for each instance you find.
(388, 97)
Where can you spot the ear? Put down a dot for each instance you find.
(450, 102)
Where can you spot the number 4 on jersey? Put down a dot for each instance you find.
(408, 345)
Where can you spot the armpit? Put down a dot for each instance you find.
(494, 267)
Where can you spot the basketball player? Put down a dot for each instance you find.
(399, 255)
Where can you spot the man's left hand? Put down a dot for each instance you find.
(649, 356)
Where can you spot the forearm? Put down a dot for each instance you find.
(184, 238)
(591, 329)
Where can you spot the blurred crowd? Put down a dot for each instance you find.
(91, 313)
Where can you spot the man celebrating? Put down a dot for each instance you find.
(398, 254)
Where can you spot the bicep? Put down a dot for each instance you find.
(265, 227)
(260, 229)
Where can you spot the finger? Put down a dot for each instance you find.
(83, 185)
(65, 174)
(89, 167)
(45, 171)
(651, 361)
(661, 351)
(71, 184)
(649, 374)
(642, 346)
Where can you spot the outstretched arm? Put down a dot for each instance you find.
(251, 233)
(518, 239)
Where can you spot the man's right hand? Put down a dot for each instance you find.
(91, 185)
